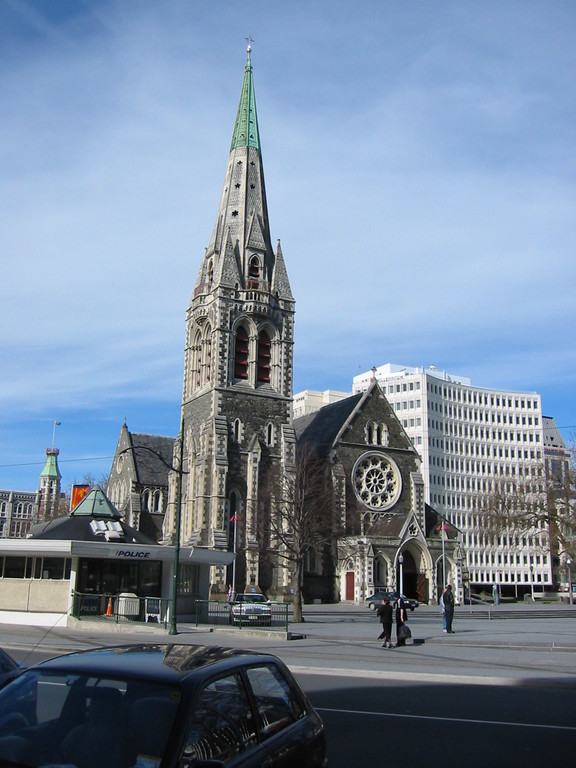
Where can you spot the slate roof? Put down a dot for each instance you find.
(150, 469)
(320, 428)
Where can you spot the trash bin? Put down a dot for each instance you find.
(129, 605)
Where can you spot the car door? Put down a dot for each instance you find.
(222, 725)
(280, 717)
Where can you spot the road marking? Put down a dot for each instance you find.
(400, 674)
(467, 721)
(560, 681)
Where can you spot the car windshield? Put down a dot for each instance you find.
(251, 599)
(58, 718)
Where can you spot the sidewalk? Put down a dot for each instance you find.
(511, 626)
(341, 640)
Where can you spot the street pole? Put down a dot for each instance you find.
(234, 561)
(443, 554)
(401, 561)
(570, 597)
(173, 626)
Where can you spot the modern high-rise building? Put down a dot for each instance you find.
(468, 437)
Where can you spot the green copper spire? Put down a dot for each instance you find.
(246, 127)
(51, 470)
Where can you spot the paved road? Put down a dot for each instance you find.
(501, 690)
(341, 640)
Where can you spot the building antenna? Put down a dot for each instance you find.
(56, 424)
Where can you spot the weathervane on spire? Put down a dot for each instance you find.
(250, 41)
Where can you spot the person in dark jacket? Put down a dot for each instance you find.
(385, 615)
(400, 620)
(448, 602)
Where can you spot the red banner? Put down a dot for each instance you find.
(78, 493)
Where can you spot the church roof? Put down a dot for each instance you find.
(321, 428)
(152, 455)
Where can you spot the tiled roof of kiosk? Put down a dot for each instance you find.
(95, 518)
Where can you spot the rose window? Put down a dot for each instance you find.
(377, 482)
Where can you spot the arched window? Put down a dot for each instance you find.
(146, 500)
(270, 434)
(241, 354)
(206, 355)
(195, 374)
(264, 357)
(254, 272)
(237, 430)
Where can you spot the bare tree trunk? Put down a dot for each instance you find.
(298, 619)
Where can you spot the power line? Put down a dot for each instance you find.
(60, 461)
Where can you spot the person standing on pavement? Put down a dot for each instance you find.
(444, 628)
(448, 602)
(400, 620)
(385, 615)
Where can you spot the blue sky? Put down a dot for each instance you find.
(420, 170)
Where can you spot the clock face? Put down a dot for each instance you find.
(377, 481)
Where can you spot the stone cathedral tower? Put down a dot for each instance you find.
(237, 393)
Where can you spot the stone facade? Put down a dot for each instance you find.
(138, 480)
(392, 538)
(237, 394)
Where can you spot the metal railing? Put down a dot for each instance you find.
(122, 608)
(276, 616)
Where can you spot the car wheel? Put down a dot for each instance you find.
(372, 606)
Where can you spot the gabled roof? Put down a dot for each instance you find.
(152, 456)
(320, 429)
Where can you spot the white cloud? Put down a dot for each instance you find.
(419, 159)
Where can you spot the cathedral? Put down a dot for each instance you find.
(236, 421)
(237, 430)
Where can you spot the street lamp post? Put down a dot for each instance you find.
(173, 630)
(401, 563)
(173, 627)
(570, 596)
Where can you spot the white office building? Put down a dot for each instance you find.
(467, 437)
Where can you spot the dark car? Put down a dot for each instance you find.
(251, 608)
(143, 706)
(374, 600)
(8, 667)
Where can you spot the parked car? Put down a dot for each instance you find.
(9, 668)
(374, 600)
(251, 608)
(150, 705)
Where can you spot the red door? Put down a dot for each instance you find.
(349, 585)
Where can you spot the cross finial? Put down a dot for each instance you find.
(250, 41)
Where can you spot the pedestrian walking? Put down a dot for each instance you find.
(448, 602)
(385, 616)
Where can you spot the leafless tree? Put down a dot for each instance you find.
(301, 518)
(534, 502)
